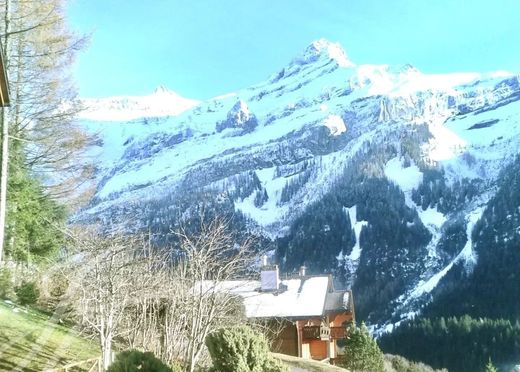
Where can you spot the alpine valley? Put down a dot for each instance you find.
(404, 185)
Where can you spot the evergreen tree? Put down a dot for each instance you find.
(317, 237)
(137, 361)
(260, 198)
(241, 349)
(495, 241)
(477, 340)
(490, 367)
(362, 352)
(34, 220)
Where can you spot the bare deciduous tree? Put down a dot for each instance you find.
(189, 301)
(109, 275)
(162, 300)
(209, 258)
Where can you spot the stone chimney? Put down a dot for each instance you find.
(269, 276)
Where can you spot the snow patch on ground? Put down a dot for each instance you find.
(270, 211)
(335, 124)
(351, 261)
(406, 178)
(467, 254)
(425, 286)
(431, 218)
(445, 144)
(357, 226)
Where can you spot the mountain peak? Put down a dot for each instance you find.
(323, 48)
(162, 102)
(161, 89)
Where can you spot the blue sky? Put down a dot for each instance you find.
(204, 48)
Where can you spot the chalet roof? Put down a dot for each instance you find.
(302, 297)
(338, 300)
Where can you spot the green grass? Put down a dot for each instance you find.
(31, 341)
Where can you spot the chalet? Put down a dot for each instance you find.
(310, 314)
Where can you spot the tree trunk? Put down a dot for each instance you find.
(3, 182)
(106, 351)
(5, 145)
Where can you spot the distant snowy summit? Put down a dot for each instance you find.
(162, 102)
(323, 49)
(320, 59)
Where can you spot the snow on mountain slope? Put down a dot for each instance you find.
(162, 102)
(293, 106)
(277, 147)
(321, 87)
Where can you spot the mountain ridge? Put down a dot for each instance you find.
(316, 146)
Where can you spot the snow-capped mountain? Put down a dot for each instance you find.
(378, 173)
(162, 102)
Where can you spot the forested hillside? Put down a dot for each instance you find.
(475, 308)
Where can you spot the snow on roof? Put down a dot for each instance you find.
(303, 297)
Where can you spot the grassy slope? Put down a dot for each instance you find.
(30, 341)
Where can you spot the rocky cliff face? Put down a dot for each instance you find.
(376, 173)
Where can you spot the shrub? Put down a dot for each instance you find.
(177, 367)
(362, 352)
(490, 367)
(57, 285)
(401, 364)
(6, 285)
(138, 361)
(27, 293)
(241, 349)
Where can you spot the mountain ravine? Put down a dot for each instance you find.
(380, 174)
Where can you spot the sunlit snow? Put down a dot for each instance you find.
(406, 178)
(357, 226)
(303, 297)
(335, 124)
(162, 102)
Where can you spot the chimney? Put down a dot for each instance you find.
(264, 260)
(269, 277)
(302, 270)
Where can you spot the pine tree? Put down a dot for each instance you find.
(490, 367)
(362, 352)
(34, 220)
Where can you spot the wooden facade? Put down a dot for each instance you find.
(314, 337)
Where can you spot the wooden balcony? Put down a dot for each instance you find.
(316, 333)
(337, 333)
